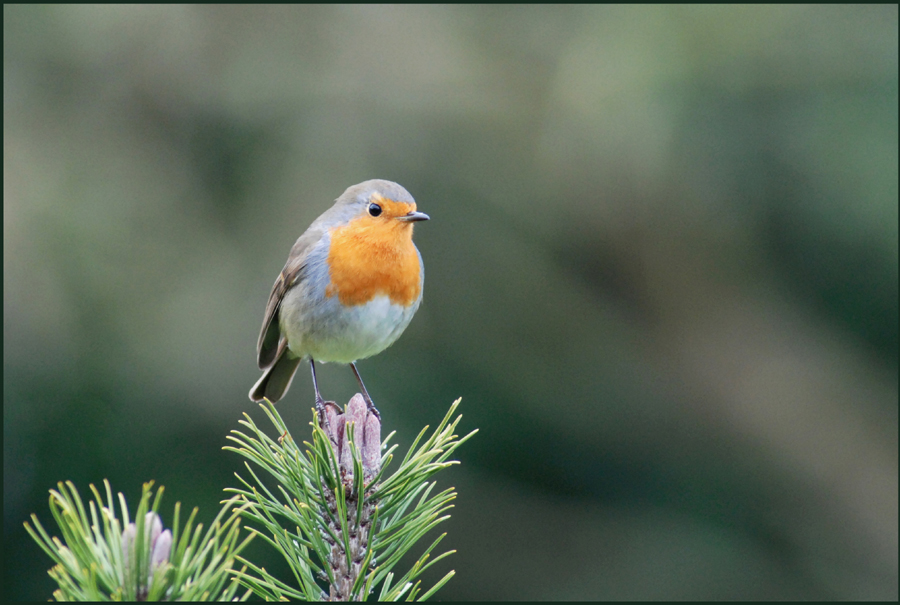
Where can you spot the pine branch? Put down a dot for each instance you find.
(339, 524)
(101, 557)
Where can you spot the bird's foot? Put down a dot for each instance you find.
(371, 406)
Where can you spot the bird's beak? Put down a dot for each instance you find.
(413, 217)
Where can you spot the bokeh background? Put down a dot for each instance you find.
(662, 274)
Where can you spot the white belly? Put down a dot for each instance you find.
(332, 332)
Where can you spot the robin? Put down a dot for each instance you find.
(351, 285)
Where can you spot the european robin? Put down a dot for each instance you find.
(351, 285)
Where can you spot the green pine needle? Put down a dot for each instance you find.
(314, 515)
(94, 562)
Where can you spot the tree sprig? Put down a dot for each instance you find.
(338, 522)
(102, 557)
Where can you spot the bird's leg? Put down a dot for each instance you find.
(320, 403)
(365, 393)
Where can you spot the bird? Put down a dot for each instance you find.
(351, 285)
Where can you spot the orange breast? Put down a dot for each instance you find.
(375, 255)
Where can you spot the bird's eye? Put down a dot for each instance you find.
(374, 209)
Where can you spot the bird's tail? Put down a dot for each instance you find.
(276, 380)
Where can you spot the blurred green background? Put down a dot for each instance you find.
(662, 273)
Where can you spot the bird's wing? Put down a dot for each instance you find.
(269, 345)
